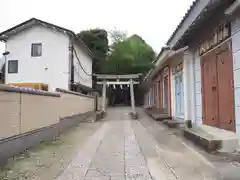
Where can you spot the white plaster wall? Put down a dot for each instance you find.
(86, 62)
(189, 88)
(51, 68)
(236, 68)
(146, 100)
(173, 98)
(150, 97)
(197, 88)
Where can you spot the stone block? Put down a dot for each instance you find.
(205, 141)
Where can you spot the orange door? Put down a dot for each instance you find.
(209, 90)
(218, 89)
(225, 88)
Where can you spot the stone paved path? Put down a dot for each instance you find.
(122, 149)
(111, 153)
(118, 148)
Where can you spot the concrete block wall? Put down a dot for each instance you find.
(71, 104)
(9, 114)
(22, 112)
(38, 112)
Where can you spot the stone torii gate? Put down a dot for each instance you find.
(114, 80)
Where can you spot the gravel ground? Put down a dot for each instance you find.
(48, 159)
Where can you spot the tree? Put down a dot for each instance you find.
(117, 36)
(97, 41)
(129, 55)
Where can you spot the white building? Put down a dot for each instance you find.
(45, 55)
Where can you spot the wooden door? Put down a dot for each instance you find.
(225, 88)
(218, 89)
(209, 90)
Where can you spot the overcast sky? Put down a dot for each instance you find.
(154, 20)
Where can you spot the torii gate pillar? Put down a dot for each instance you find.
(132, 97)
(104, 96)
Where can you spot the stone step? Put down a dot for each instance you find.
(160, 117)
(202, 139)
(157, 114)
(209, 141)
(171, 123)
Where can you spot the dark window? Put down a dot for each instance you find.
(13, 66)
(36, 49)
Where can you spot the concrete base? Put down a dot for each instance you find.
(17, 144)
(212, 139)
(133, 116)
(173, 123)
(230, 140)
(160, 117)
(99, 115)
(157, 114)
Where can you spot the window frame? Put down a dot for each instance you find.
(32, 47)
(15, 72)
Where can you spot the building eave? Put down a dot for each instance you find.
(188, 19)
(171, 54)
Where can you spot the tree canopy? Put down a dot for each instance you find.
(125, 55)
(97, 41)
(129, 55)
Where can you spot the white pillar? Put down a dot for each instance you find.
(187, 84)
(104, 96)
(132, 97)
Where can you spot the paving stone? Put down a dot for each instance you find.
(77, 169)
(123, 149)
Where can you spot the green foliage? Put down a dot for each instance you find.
(97, 41)
(124, 56)
(129, 55)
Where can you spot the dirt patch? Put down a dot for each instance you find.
(48, 159)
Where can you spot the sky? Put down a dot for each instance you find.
(153, 20)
